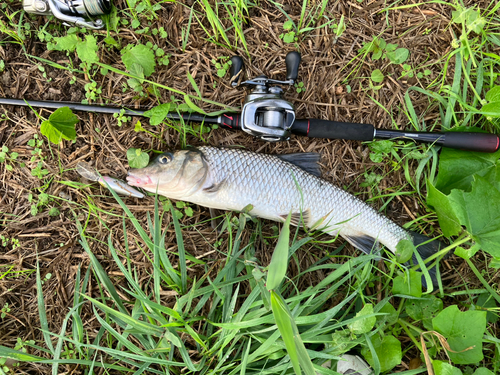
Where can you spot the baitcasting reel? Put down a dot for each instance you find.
(265, 114)
(72, 12)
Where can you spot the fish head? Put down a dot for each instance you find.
(175, 175)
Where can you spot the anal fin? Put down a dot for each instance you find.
(363, 242)
(299, 218)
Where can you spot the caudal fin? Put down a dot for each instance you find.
(427, 247)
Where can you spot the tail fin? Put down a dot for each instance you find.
(426, 247)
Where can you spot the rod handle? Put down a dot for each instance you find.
(314, 128)
(484, 142)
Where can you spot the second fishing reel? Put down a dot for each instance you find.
(80, 13)
(265, 114)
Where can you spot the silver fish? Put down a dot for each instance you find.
(232, 179)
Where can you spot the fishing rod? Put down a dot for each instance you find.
(268, 116)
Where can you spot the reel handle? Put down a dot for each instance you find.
(235, 70)
(292, 61)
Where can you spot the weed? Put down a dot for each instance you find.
(4, 310)
(379, 48)
(5, 242)
(22, 345)
(121, 118)
(137, 158)
(222, 64)
(8, 158)
(289, 35)
(299, 86)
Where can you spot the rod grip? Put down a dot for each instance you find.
(314, 128)
(484, 142)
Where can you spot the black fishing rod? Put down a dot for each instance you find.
(266, 115)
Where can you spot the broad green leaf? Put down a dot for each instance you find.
(399, 56)
(404, 251)
(87, 50)
(493, 95)
(391, 317)
(158, 114)
(460, 15)
(464, 332)
(443, 368)
(279, 260)
(288, 25)
(60, 125)
(388, 352)
(364, 325)
(377, 76)
(467, 253)
(479, 211)
(477, 24)
(139, 54)
(447, 217)
(483, 371)
(491, 109)
(424, 309)
(136, 158)
(457, 167)
(66, 43)
(289, 37)
(410, 286)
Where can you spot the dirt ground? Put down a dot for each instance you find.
(328, 66)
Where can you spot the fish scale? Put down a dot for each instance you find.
(275, 187)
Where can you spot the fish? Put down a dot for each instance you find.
(274, 186)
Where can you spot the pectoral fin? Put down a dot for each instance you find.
(217, 218)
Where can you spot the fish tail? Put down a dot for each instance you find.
(427, 247)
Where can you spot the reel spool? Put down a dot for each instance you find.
(71, 12)
(265, 114)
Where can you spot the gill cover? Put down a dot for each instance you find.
(179, 174)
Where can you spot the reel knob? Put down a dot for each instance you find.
(235, 70)
(292, 61)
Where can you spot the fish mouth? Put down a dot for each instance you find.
(134, 180)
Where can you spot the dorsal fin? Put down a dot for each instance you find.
(307, 161)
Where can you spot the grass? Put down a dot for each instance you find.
(146, 297)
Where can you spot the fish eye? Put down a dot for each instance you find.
(165, 159)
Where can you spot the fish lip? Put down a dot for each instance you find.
(134, 180)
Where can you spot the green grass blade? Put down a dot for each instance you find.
(279, 260)
(41, 310)
(450, 109)
(181, 249)
(244, 362)
(139, 325)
